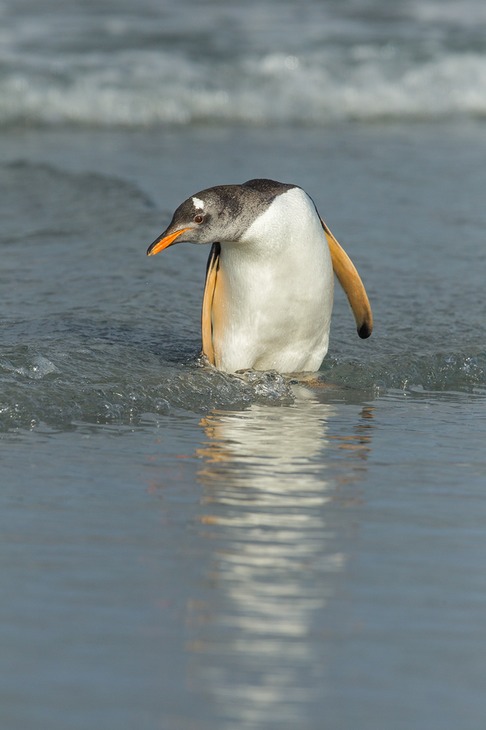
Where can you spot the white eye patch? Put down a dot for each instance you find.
(198, 203)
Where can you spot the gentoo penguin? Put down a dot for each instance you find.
(269, 280)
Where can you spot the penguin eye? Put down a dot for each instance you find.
(198, 218)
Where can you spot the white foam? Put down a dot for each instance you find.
(142, 88)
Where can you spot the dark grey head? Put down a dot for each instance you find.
(219, 214)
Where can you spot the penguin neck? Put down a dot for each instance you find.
(287, 232)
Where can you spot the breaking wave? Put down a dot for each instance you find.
(139, 89)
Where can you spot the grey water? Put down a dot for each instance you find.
(183, 549)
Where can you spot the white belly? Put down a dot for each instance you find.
(276, 292)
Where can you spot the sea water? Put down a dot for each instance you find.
(183, 549)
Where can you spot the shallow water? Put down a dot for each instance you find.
(189, 550)
(253, 568)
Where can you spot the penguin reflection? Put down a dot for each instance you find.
(272, 480)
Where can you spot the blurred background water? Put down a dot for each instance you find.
(187, 550)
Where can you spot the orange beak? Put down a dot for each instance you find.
(164, 241)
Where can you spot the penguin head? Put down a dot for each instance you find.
(219, 214)
(213, 215)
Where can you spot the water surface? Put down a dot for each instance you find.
(189, 550)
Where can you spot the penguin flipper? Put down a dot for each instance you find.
(207, 304)
(350, 281)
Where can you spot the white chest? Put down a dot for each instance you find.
(276, 291)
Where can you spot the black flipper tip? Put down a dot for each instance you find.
(365, 331)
